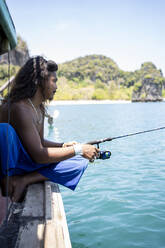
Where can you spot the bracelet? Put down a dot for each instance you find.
(78, 149)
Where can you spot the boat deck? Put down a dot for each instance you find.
(39, 221)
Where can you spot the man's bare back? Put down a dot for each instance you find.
(21, 110)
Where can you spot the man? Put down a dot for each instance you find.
(31, 158)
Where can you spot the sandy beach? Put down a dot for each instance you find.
(80, 102)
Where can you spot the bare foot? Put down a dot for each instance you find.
(16, 188)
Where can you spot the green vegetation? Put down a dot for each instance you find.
(98, 77)
(70, 90)
(21, 44)
(163, 93)
(137, 86)
(4, 72)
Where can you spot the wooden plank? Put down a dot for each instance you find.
(56, 229)
(34, 201)
(54, 237)
(43, 227)
(31, 235)
(59, 215)
(31, 230)
(47, 201)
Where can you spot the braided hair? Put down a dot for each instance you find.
(32, 75)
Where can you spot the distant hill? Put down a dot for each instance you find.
(92, 67)
(95, 77)
(99, 77)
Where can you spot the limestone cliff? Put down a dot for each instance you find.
(148, 91)
(149, 85)
(18, 56)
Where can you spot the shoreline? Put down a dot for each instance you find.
(82, 102)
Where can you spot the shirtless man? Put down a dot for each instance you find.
(34, 84)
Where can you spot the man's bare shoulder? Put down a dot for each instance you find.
(20, 107)
(20, 111)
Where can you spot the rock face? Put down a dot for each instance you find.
(18, 56)
(149, 84)
(149, 91)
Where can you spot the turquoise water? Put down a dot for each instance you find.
(120, 202)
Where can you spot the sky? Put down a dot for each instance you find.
(130, 32)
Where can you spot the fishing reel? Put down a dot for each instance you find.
(103, 154)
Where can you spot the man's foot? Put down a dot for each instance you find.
(16, 188)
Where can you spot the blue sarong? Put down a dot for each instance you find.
(15, 160)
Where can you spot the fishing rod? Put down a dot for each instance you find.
(107, 154)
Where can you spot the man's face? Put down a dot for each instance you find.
(51, 86)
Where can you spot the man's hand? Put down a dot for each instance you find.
(90, 152)
(71, 143)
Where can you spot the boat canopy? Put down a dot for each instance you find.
(8, 37)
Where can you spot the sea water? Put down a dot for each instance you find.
(119, 202)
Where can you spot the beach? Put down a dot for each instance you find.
(80, 102)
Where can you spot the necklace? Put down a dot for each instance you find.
(39, 120)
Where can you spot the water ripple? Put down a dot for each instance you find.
(119, 203)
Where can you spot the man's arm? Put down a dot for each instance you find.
(48, 143)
